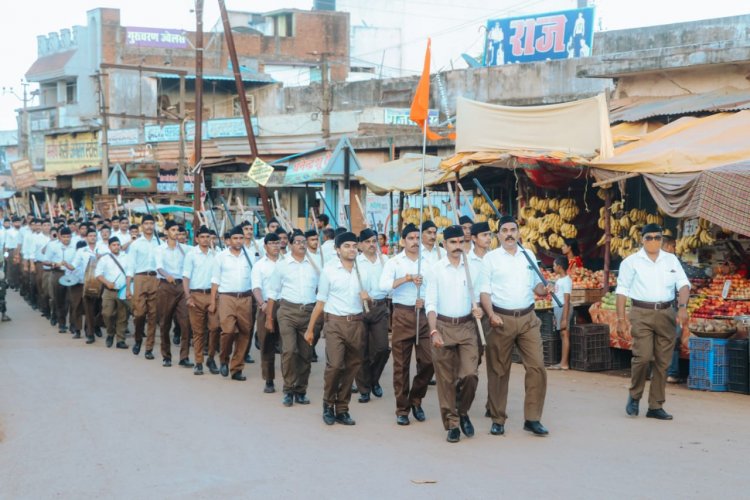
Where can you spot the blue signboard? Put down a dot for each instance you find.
(556, 35)
(212, 129)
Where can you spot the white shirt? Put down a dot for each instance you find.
(509, 279)
(262, 272)
(562, 286)
(123, 237)
(329, 250)
(11, 238)
(373, 270)
(640, 278)
(111, 271)
(57, 254)
(232, 274)
(102, 248)
(29, 242)
(433, 255)
(170, 260)
(294, 281)
(143, 254)
(199, 268)
(339, 289)
(42, 241)
(398, 267)
(261, 248)
(81, 261)
(448, 290)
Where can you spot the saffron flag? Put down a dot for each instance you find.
(420, 106)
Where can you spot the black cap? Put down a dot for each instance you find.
(272, 220)
(80, 244)
(203, 230)
(281, 230)
(651, 228)
(296, 232)
(64, 231)
(90, 230)
(170, 224)
(311, 233)
(345, 237)
(271, 237)
(113, 239)
(479, 228)
(339, 230)
(236, 230)
(464, 219)
(453, 232)
(366, 234)
(147, 217)
(409, 228)
(245, 223)
(505, 219)
(427, 225)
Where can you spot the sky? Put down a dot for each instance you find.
(21, 23)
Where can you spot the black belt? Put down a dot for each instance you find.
(146, 273)
(238, 295)
(377, 302)
(200, 290)
(516, 313)
(351, 317)
(301, 307)
(176, 282)
(404, 306)
(57, 270)
(652, 305)
(454, 321)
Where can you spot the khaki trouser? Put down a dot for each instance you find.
(62, 301)
(402, 344)
(27, 283)
(296, 353)
(236, 320)
(115, 314)
(456, 364)
(653, 340)
(376, 350)
(202, 321)
(172, 304)
(49, 286)
(144, 308)
(14, 269)
(91, 311)
(267, 341)
(76, 307)
(344, 346)
(42, 300)
(522, 331)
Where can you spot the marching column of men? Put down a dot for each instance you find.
(83, 275)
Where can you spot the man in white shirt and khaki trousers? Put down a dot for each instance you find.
(111, 270)
(340, 297)
(453, 332)
(650, 278)
(267, 338)
(507, 294)
(142, 253)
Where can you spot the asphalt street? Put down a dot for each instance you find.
(80, 421)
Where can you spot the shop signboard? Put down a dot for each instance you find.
(260, 172)
(143, 177)
(167, 182)
(240, 180)
(23, 174)
(212, 129)
(123, 137)
(540, 37)
(400, 116)
(159, 38)
(71, 151)
(307, 168)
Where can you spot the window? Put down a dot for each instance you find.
(237, 109)
(284, 25)
(71, 92)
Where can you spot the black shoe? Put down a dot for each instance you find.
(239, 376)
(632, 407)
(198, 369)
(211, 364)
(53, 321)
(432, 382)
(345, 418)
(487, 413)
(364, 397)
(186, 363)
(377, 391)
(224, 370)
(466, 427)
(149, 355)
(5, 318)
(176, 339)
(76, 334)
(454, 436)
(288, 399)
(355, 389)
(314, 357)
(137, 348)
(89, 340)
(536, 427)
(205, 350)
(301, 398)
(110, 340)
(402, 419)
(122, 345)
(658, 414)
(249, 359)
(98, 332)
(497, 429)
(63, 329)
(418, 413)
(166, 363)
(269, 388)
(328, 417)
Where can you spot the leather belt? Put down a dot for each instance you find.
(238, 295)
(200, 290)
(454, 321)
(652, 305)
(146, 273)
(377, 302)
(351, 317)
(176, 282)
(57, 270)
(516, 313)
(301, 307)
(404, 306)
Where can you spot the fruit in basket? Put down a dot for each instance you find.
(609, 302)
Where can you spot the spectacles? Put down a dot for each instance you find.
(652, 238)
(298, 243)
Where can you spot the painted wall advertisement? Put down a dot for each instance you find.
(71, 151)
(400, 116)
(212, 129)
(555, 35)
(156, 37)
(167, 182)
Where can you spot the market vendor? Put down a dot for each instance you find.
(573, 253)
(650, 278)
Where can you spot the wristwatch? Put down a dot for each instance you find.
(681, 305)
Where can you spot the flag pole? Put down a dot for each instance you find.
(421, 211)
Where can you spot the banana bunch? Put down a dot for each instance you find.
(555, 241)
(568, 209)
(601, 193)
(547, 221)
(542, 204)
(484, 209)
(568, 231)
(701, 238)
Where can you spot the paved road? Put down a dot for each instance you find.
(80, 421)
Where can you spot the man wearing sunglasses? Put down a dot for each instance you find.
(650, 277)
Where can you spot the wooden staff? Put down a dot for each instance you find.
(367, 225)
(37, 212)
(469, 283)
(320, 238)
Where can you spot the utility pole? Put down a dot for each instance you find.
(198, 139)
(326, 124)
(105, 141)
(183, 122)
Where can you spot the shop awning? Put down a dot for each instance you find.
(319, 165)
(404, 174)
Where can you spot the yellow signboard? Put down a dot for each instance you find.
(71, 152)
(260, 172)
